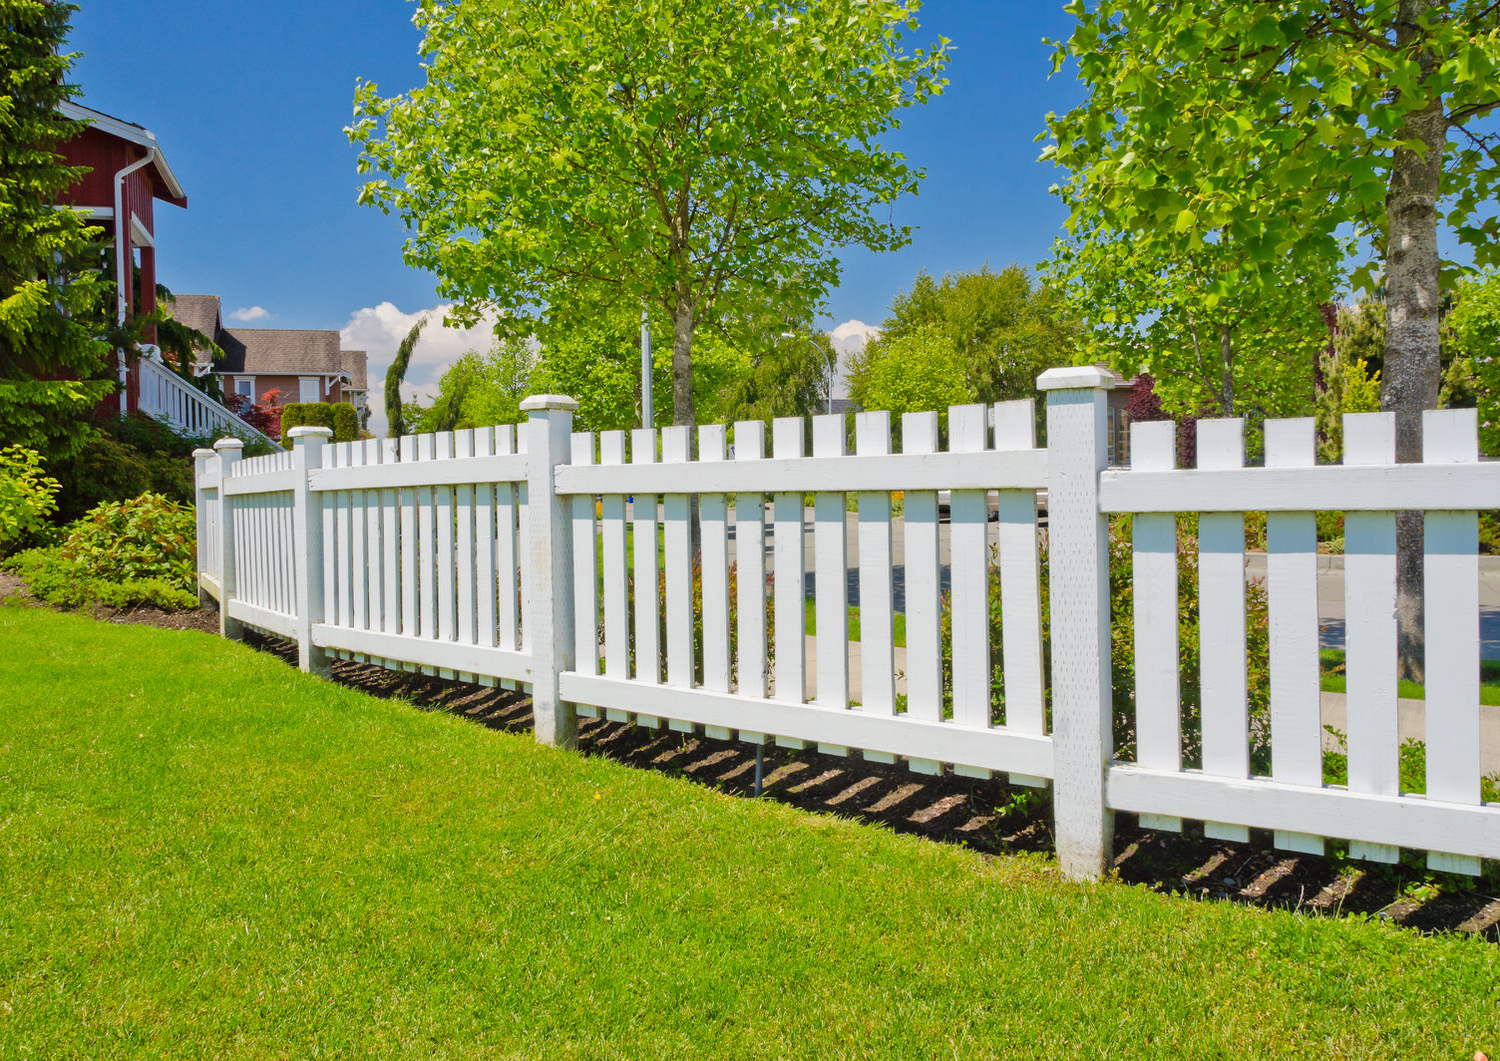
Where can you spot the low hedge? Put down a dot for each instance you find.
(339, 417)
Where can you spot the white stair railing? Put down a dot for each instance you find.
(169, 397)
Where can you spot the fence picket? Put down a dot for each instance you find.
(750, 575)
(1020, 585)
(790, 562)
(359, 567)
(830, 579)
(677, 571)
(872, 437)
(924, 659)
(447, 598)
(1451, 589)
(390, 551)
(968, 517)
(507, 558)
(427, 557)
(713, 522)
(585, 567)
(410, 552)
(484, 550)
(1292, 588)
(463, 544)
(1221, 623)
(616, 564)
(647, 574)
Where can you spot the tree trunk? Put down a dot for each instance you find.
(682, 361)
(1412, 373)
(1226, 369)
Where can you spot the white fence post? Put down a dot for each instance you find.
(201, 457)
(547, 612)
(1078, 561)
(230, 450)
(307, 549)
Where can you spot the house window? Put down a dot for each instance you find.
(309, 390)
(245, 388)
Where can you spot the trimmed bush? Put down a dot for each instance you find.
(148, 537)
(338, 417)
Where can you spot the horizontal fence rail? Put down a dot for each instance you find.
(666, 578)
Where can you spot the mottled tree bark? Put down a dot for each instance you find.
(1412, 373)
(1226, 369)
(683, 412)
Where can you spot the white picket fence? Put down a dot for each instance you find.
(429, 554)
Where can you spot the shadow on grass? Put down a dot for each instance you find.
(988, 816)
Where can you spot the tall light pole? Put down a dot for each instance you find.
(827, 364)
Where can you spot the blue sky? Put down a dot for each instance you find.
(249, 100)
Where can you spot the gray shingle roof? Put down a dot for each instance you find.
(354, 364)
(280, 351)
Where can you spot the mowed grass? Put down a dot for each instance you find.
(203, 853)
(1334, 680)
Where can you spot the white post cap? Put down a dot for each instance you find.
(202, 454)
(1080, 377)
(541, 402)
(229, 443)
(309, 431)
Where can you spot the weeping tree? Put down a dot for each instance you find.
(395, 376)
(566, 158)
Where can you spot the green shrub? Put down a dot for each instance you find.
(339, 417)
(62, 582)
(27, 496)
(148, 537)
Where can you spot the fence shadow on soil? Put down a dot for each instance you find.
(989, 817)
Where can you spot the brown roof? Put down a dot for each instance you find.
(280, 351)
(198, 312)
(354, 364)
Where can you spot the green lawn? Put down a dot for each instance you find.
(898, 623)
(1334, 682)
(204, 853)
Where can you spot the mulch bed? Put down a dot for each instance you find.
(988, 816)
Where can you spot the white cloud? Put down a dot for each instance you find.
(378, 330)
(250, 313)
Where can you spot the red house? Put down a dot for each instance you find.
(127, 174)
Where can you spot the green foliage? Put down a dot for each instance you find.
(339, 417)
(1350, 385)
(1475, 325)
(27, 496)
(124, 457)
(581, 159)
(63, 583)
(52, 299)
(912, 372)
(148, 537)
(396, 375)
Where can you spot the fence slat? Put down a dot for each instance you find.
(1292, 588)
(359, 568)
(447, 598)
(877, 656)
(1158, 703)
(1020, 585)
(484, 550)
(831, 579)
(713, 523)
(970, 598)
(750, 571)
(410, 563)
(427, 559)
(463, 544)
(616, 566)
(924, 659)
(677, 564)
(647, 576)
(1450, 587)
(585, 567)
(374, 512)
(1221, 618)
(507, 558)
(791, 562)
(1370, 629)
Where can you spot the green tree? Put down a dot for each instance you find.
(912, 372)
(568, 158)
(52, 298)
(395, 376)
(1275, 127)
(1475, 324)
(1351, 382)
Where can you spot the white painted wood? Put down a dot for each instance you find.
(750, 564)
(585, 566)
(994, 749)
(1370, 629)
(677, 564)
(226, 563)
(1371, 820)
(1347, 488)
(1158, 700)
(307, 532)
(407, 499)
(507, 549)
(390, 547)
(359, 564)
(1078, 562)
(902, 471)
(463, 547)
(474, 469)
(374, 547)
(968, 522)
(447, 655)
(262, 618)
(790, 562)
(872, 438)
(924, 676)
(647, 578)
(713, 524)
(484, 546)
(1017, 546)
(549, 574)
(272, 481)
(831, 575)
(616, 563)
(1450, 587)
(1292, 590)
(427, 559)
(447, 600)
